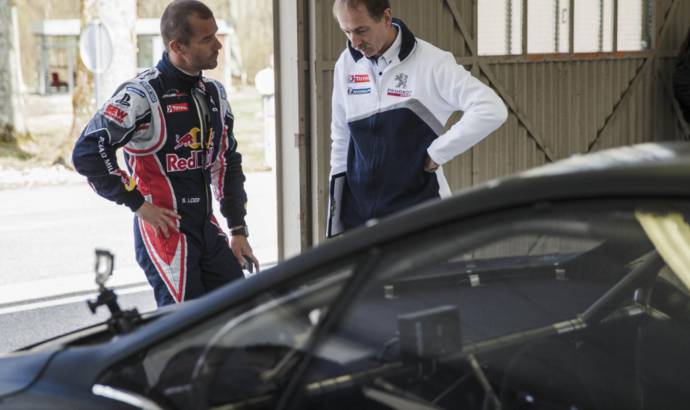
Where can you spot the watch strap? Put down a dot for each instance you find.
(239, 230)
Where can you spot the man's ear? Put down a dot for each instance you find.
(175, 46)
(388, 16)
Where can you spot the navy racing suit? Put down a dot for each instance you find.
(176, 134)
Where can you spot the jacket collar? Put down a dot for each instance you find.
(406, 46)
(174, 77)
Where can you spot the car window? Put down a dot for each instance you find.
(243, 352)
(495, 310)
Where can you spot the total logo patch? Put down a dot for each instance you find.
(178, 107)
(358, 91)
(358, 78)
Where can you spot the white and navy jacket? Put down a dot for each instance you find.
(176, 133)
(385, 122)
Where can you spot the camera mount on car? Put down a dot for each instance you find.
(120, 321)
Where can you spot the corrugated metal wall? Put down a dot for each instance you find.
(559, 104)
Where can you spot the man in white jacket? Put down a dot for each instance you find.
(392, 96)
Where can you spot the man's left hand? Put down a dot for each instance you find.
(430, 165)
(241, 248)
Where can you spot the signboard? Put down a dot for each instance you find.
(96, 47)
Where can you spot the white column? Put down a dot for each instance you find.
(120, 18)
(11, 82)
(288, 98)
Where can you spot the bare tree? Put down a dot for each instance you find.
(11, 98)
(120, 19)
(254, 25)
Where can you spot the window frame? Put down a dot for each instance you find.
(647, 30)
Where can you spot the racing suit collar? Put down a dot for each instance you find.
(174, 75)
(407, 44)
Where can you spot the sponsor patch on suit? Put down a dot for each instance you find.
(358, 91)
(179, 107)
(136, 91)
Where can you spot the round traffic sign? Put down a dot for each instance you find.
(96, 47)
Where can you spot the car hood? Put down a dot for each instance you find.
(19, 370)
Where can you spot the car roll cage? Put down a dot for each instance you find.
(604, 311)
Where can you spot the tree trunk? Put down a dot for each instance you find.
(11, 98)
(120, 19)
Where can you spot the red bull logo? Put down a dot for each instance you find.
(189, 140)
(174, 163)
(128, 182)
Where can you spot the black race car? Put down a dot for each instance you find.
(564, 287)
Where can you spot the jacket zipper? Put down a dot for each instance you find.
(203, 150)
(377, 139)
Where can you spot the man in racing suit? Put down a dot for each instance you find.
(175, 127)
(392, 96)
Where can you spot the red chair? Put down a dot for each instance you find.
(56, 82)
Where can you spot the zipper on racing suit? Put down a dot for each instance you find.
(202, 126)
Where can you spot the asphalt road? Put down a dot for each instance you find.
(51, 232)
(47, 240)
(23, 325)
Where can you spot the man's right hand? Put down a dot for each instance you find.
(160, 219)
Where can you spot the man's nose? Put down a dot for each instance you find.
(219, 45)
(355, 40)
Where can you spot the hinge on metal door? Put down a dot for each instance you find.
(300, 137)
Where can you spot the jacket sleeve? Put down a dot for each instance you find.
(124, 116)
(340, 132)
(483, 110)
(227, 177)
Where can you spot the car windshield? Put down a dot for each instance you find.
(251, 347)
(574, 305)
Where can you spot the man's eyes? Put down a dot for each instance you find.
(358, 32)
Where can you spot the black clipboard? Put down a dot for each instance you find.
(335, 226)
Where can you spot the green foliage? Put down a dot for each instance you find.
(254, 24)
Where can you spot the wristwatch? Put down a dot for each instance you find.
(239, 230)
